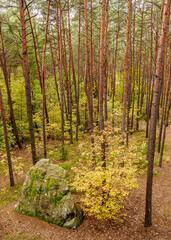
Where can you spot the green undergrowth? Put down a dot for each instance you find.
(141, 142)
(8, 195)
(68, 166)
(74, 155)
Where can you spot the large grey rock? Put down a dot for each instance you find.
(45, 194)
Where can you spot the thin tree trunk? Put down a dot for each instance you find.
(61, 73)
(149, 90)
(143, 82)
(163, 96)
(78, 76)
(65, 64)
(6, 141)
(34, 43)
(133, 87)
(36, 58)
(105, 57)
(86, 76)
(139, 75)
(129, 94)
(166, 116)
(126, 64)
(54, 73)
(27, 77)
(102, 66)
(71, 63)
(43, 83)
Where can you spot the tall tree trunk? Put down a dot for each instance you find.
(105, 56)
(166, 114)
(65, 65)
(126, 64)
(139, 75)
(27, 77)
(155, 107)
(129, 93)
(43, 83)
(74, 79)
(102, 66)
(5, 72)
(78, 76)
(54, 73)
(36, 58)
(86, 77)
(133, 87)
(163, 96)
(149, 89)
(143, 81)
(114, 70)
(61, 72)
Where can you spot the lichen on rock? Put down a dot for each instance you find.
(45, 194)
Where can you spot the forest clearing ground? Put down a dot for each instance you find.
(15, 226)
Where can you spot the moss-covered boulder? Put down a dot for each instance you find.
(45, 194)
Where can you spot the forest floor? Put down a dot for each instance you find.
(16, 226)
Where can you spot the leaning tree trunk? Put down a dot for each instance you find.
(6, 141)
(25, 65)
(154, 112)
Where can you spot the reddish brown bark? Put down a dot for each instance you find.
(34, 43)
(163, 96)
(114, 71)
(65, 64)
(86, 78)
(61, 71)
(154, 112)
(126, 64)
(43, 82)
(102, 65)
(36, 58)
(166, 113)
(78, 76)
(133, 87)
(106, 62)
(151, 63)
(139, 69)
(54, 73)
(27, 77)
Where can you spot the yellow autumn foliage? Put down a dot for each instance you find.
(105, 189)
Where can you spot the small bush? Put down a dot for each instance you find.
(104, 189)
